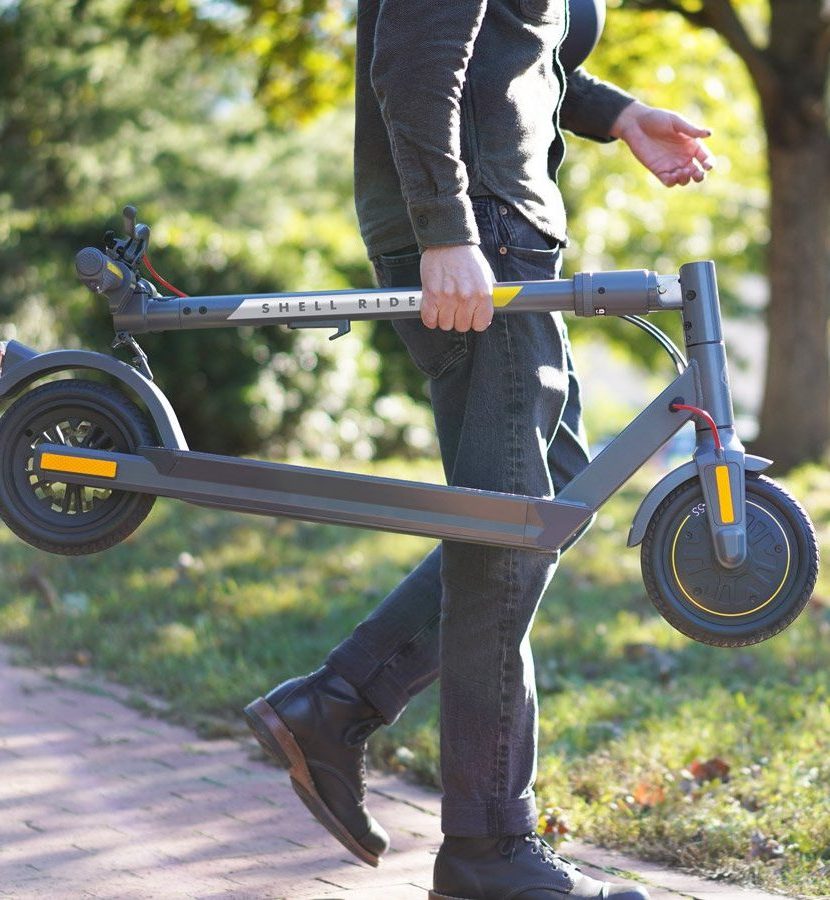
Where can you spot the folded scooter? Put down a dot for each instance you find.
(728, 556)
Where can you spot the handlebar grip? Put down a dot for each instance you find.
(100, 273)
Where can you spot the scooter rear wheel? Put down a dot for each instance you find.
(56, 516)
(730, 607)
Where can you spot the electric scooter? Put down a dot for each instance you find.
(728, 557)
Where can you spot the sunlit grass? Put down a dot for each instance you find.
(209, 608)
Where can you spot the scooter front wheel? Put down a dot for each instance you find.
(730, 607)
(56, 516)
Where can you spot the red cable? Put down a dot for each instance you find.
(158, 278)
(704, 415)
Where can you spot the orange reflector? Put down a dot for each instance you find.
(727, 513)
(57, 462)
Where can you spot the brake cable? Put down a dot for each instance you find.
(158, 277)
(662, 339)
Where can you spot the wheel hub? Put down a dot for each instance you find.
(723, 592)
(59, 496)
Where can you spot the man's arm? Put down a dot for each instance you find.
(422, 50)
(591, 106)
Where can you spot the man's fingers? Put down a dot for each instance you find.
(692, 171)
(456, 281)
(472, 311)
(483, 315)
(464, 316)
(684, 126)
(704, 157)
(446, 315)
(429, 312)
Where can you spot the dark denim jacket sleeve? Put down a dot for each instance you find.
(427, 44)
(591, 106)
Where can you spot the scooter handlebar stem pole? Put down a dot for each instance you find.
(626, 292)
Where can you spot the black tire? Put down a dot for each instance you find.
(725, 607)
(51, 515)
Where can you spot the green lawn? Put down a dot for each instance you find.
(630, 709)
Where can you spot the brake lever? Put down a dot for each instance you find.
(131, 248)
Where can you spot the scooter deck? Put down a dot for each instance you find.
(319, 495)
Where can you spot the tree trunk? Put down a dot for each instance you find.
(795, 415)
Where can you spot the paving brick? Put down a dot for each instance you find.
(98, 800)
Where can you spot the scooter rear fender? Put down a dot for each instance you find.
(21, 366)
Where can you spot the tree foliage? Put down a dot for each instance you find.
(229, 123)
(97, 110)
(621, 216)
(785, 48)
(302, 51)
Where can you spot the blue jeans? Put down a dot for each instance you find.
(508, 417)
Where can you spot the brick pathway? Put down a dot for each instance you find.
(98, 800)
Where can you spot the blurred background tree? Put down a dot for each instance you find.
(785, 48)
(229, 124)
(101, 105)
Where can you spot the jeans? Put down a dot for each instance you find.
(508, 418)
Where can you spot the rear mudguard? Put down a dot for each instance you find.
(667, 484)
(22, 366)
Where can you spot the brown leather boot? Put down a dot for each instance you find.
(317, 726)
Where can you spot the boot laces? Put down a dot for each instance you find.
(356, 737)
(512, 842)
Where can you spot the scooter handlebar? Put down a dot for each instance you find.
(628, 292)
(100, 273)
(103, 275)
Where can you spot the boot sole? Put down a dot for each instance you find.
(279, 743)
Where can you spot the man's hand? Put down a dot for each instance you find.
(457, 285)
(665, 143)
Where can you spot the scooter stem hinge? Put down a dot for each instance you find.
(125, 339)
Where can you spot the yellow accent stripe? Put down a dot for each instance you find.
(727, 513)
(748, 612)
(115, 270)
(502, 295)
(57, 462)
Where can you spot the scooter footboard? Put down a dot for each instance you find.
(268, 488)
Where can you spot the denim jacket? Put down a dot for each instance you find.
(459, 98)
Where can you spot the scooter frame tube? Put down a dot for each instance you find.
(443, 512)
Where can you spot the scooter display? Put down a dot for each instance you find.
(728, 556)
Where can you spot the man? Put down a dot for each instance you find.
(459, 110)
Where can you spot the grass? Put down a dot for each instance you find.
(716, 760)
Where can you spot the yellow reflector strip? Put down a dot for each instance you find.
(727, 513)
(503, 295)
(57, 462)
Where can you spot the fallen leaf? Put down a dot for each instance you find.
(648, 795)
(554, 824)
(712, 769)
